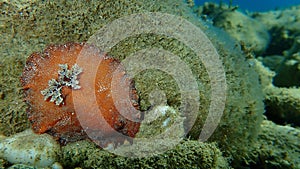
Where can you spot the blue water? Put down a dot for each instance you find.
(256, 5)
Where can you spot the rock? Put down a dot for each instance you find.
(158, 121)
(288, 72)
(272, 61)
(249, 32)
(30, 149)
(244, 107)
(282, 104)
(278, 147)
(244, 29)
(186, 155)
(283, 26)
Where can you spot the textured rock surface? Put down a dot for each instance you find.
(282, 104)
(283, 26)
(278, 147)
(30, 149)
(252, 33)
(38, 24)
(189, 154)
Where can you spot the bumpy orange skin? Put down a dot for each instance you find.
(62, 121)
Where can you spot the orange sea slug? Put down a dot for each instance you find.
(53, 80)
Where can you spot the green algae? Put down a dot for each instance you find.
(277, 147)
(283, 26)
(164, 117)
(13, 118)
(41, 23)
(282, 104)
(188, 154)
(22, 166)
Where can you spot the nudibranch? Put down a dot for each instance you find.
(52, 80)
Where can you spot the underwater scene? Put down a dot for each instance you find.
(150, 84)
